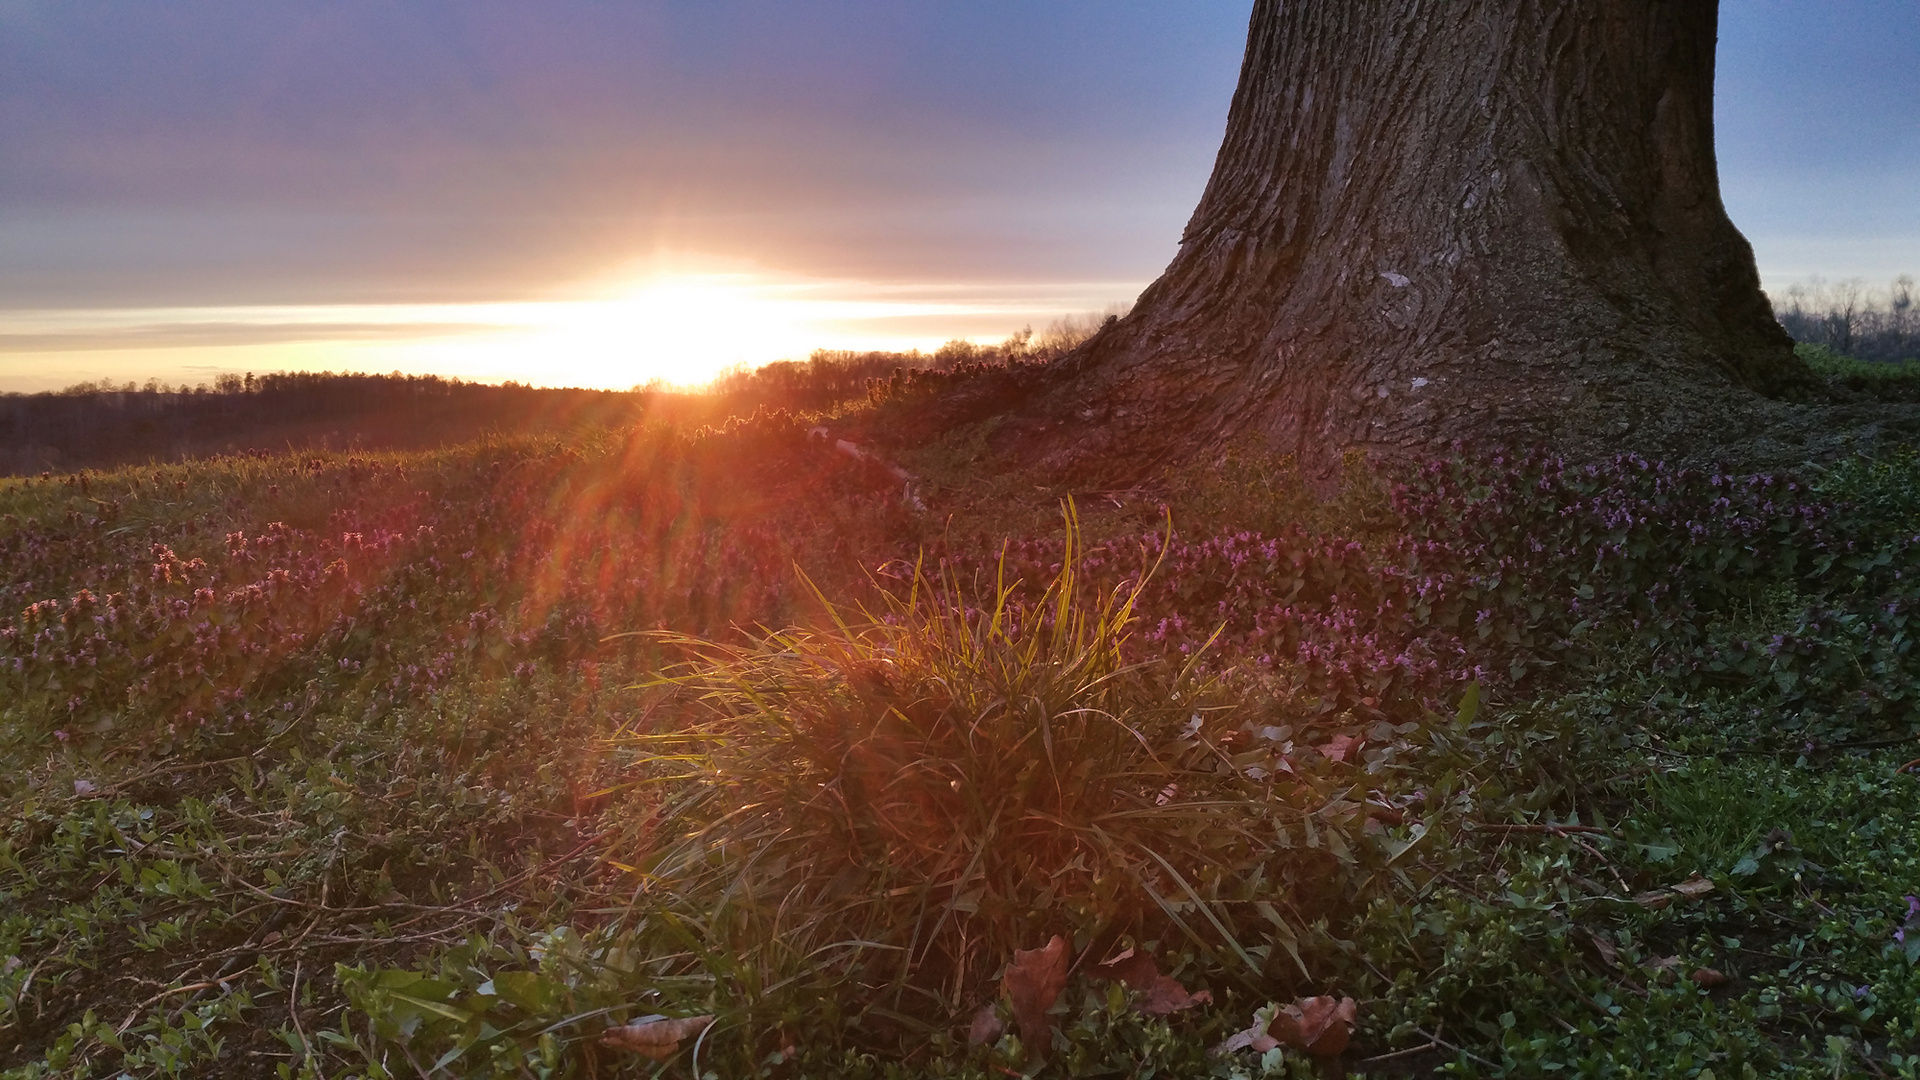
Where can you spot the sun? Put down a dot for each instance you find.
(685, 329)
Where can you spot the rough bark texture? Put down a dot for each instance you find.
(1435, 220)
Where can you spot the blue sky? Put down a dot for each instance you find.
(193, 186)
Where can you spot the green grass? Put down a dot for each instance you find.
(1885, 381)
(568, 742)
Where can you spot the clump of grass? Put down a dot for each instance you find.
(896, 803)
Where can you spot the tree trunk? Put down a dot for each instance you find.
(1435, 220)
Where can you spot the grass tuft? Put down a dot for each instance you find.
(904, 798)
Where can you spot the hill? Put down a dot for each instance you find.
(352, 763)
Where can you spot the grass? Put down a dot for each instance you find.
(899, 801)
(439, 764)
(1882, 380)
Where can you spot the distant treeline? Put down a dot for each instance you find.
(1853, 320)
(829, 378)
(102, 425)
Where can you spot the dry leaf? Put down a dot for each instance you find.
(1604, 949)
(658, 1038)
(1318, 1025)
(1655, 900)
(1663, 968)
(1694, 887)
(987, 1027)
(1342, 747)
(1032, 982)
(1707, 978)
(1163, 993)
(1254, 1038)
(1379, 811)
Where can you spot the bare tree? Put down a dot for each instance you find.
(1853, 320)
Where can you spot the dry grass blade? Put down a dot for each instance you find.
(658, 1038)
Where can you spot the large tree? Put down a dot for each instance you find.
(1430, 220)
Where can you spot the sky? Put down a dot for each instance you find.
(604, 192)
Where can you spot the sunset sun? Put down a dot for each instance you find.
(683, 329)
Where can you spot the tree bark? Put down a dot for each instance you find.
(1436, 220)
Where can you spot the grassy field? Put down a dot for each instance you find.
(446, 763)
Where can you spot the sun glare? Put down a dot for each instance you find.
(680, 327)
(684, 329)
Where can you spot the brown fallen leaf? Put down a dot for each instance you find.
(1163, 994)
(1319, 1025)
(1654, 900)
(1694, 887)
(1254, 1038)
(1663, 967)
(1391, 815)
(1707, 978)
(1341, 747)
(1032, 982)
(658, 1038)
(987, 1027)
(1603, 948)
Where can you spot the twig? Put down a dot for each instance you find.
(164, 770)
(1555, 830)
(1438, 1041)
(297, 942)
(517, 878)
(20, 995)
(137, 1009)
(1611, 869)
(1397, 1054)
(291, 902)
(293, 1014)
(1581, 996)
(392, 939)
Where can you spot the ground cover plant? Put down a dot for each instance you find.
(493, 760)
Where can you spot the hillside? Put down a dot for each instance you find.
(444, 762)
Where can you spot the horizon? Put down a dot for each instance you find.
(601, 198)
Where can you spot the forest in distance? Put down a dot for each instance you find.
(1864, 339)
(102, 424)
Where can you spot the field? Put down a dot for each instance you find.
(446, 762)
